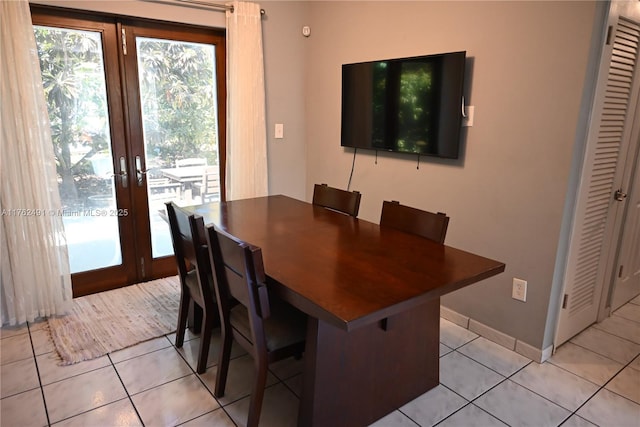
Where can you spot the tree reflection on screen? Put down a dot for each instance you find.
(404, 106)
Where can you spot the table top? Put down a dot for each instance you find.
(343, 270)
(186, 173)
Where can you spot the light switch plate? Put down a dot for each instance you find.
(468, 111)
(279, 131)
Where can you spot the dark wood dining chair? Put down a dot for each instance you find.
(267, 328)
(411, 220)
(194, 270)
(347, 202)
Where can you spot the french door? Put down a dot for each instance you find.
(137, 112)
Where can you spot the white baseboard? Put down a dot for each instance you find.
(492, 334)
(507, 341)
(532, 352)
(455, 317)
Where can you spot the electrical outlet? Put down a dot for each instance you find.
(519, 290)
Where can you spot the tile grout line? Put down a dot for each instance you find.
(457, 349)
(35, 361)
(469, 402)
(600, 387)
(220, 405)
(135, 408)
(571, 412)
(604, 355)
(595, 326)
(614, 376)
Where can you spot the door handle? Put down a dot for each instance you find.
(620, 195)
(139, 172)
(123, 172)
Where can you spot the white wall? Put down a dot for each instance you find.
(285, 51)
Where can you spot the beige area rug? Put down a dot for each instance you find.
(108, 321)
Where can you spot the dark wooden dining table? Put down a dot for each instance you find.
(372, 295)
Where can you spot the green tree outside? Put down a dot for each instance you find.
(178, 99)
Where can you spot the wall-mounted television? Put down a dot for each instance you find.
(407, 105)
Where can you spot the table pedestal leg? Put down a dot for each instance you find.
(354, 378)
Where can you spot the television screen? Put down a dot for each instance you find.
(408, 105)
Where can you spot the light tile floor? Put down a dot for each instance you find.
(592, 380)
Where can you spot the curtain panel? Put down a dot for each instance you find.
(246, 169)
(35, 279)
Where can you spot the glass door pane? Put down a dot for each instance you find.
(73, 74)
(179, 108)
(136, 122)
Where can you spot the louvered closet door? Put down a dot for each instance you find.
(593, 238)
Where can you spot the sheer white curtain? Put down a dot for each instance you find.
(35, 279)
(246, 129)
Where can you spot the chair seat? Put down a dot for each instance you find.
(286, 325)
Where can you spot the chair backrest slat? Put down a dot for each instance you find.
(187, 232)
(411, 220)
(243, 276)
(347, 202)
